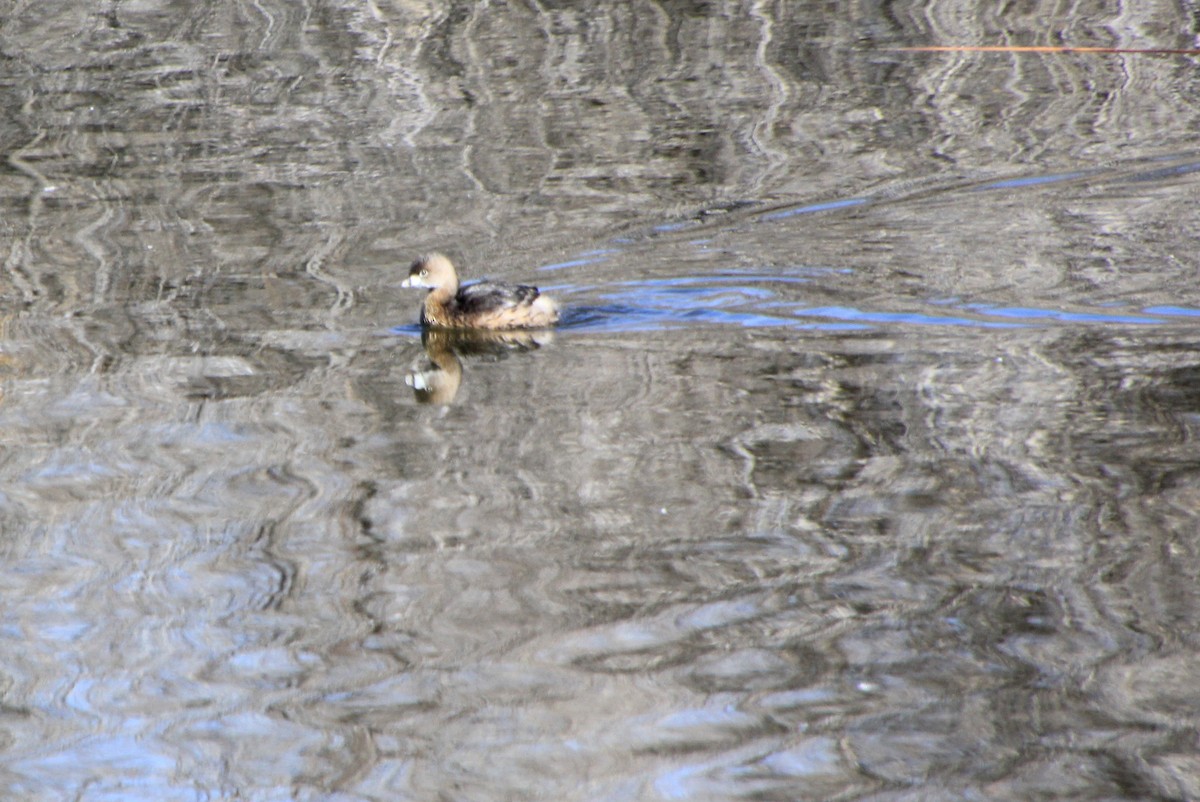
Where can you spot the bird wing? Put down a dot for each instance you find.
(483, 296)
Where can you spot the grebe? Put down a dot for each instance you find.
(481, 305)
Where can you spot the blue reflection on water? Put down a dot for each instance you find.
(1030, 181)
(406, 330)
(910, 318)
(624, 318)
(1030, 315)
(815, 207)
(585, 258)
(1160, 173)
(1172, 311)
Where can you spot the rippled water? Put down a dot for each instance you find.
(862, 466)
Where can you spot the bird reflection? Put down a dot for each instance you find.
(438, 383)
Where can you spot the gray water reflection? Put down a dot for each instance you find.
(862, 465)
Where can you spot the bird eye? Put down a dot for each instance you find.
(424, 273)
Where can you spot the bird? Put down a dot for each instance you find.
(479, 305)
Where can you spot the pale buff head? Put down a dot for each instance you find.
(432, 271)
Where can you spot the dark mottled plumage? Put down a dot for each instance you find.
(484, 296)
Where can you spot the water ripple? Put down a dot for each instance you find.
(749, 301)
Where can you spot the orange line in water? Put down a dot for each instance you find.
(1042, 49)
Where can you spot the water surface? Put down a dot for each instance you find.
(862, 466)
